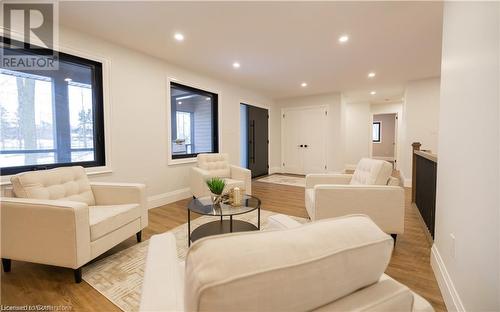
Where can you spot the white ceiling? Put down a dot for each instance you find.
(279, 44)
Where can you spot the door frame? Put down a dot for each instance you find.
(269, 134)
(396, 137)
(302, 107)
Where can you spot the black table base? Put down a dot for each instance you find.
(221, 227)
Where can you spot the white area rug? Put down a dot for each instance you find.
(119, 277)
(286, 180)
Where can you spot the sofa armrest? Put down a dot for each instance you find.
(163, 286)
(337, 178)
(197, 182)
(51, 232)
(383, 204)
(242, 174)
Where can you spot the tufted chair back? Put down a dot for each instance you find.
(372, 172)
(64, 183)
(216, 164)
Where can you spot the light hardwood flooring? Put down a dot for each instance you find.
(33, 284)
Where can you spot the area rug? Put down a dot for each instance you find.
(283, 179)
(119, 277)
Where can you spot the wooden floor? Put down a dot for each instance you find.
(31, 284)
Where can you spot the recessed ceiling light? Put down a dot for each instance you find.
(208, 99)
(179, 102)
(179, 37)
(373, 92)
(371, 74)
(68, 79)
(343, 38)
(304, 84)
(236, 65)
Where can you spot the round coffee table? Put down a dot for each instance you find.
(205, 206)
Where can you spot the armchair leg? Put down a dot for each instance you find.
(394, 236)
(138, 235)
(6, 265)
(78, 275)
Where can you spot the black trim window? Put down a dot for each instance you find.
(51, 118)
(376, 132)
(194, 121)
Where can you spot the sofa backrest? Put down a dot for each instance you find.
(64, 183)
(216, 164)
(298, 269)
(372, 172)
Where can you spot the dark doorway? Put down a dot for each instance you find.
(258, 140)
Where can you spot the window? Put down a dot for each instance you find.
(376, 132)
(51, 118)
(194, 121)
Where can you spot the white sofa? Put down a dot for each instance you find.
(217, 165)
(370, 190)
(57, 217)
(330, 265)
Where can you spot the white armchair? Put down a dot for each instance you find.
(57, 217)
(370, 190)
(293, 268)
(217, 165)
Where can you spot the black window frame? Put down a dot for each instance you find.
(215, 118)
(379, 132)
(97, 110)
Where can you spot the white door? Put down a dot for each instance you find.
(314, 138)
(304, 140)
(292, 152)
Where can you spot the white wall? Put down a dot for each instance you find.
(334, 146)
(420, 120)
(137, 115)
(358, 133)
(468, 163)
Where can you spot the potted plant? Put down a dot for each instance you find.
(216, 186)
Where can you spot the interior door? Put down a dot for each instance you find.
(304, 140)
(258, 141)
(314, 138)
(293, 160)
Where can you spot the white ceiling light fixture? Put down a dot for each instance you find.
(179, 102)
(373, 92)
(371, 74)
(236, 65)
(343, 38)
(179, 37)
(208, 99)
(303, 85)
(68, 79)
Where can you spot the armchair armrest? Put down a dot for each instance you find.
(163, 286)
(106, 193)
(242, 174)
(198, 178)
(51, 232)
(383, 204)
(336, 178)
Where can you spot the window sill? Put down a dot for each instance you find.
(5, 180)
(180, 161)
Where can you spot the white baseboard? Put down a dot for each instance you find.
(406, 182)
(350, 166)
(448, 290)
(169, 197)
(275, 170)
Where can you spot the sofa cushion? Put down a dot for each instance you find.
(372, 172)
(298, 269)
(106, 219)
(216, 164)
(310, 205)
(64, 183)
